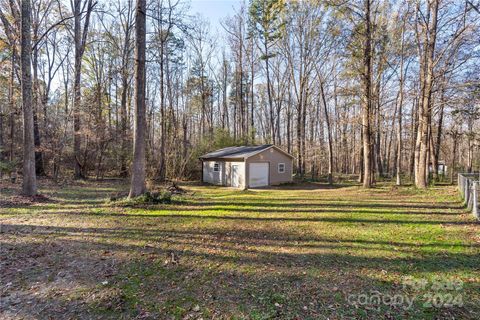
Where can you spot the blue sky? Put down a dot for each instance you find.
(215, 10)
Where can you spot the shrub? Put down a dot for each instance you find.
(7, 167)
(148, 198)
(156, 197)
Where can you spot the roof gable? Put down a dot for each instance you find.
(279, 150)
(239, 152)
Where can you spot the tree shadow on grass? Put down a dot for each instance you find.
(322, 203)
(272, 237)
(227, 271)
(308, 186)
(254, 207)
(163, 265)
(239, 239)
(237, 217)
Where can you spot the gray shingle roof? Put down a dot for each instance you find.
(235, 152)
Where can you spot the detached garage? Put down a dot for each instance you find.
(247, 166)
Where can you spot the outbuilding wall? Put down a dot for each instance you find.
(228, 173)
(273, 157)
(224, 176)
(210, 176)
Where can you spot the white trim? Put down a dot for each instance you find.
(217, 166)
(232, 176)
(278, 167)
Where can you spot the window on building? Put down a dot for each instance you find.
(216, 167)
(281, 167)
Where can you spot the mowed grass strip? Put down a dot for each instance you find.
(294, 252)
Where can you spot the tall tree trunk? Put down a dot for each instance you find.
(299, 137)
(289, 122)
(11, 104)
(252, 95)
(361, 175)
(138, 185)
(29, 186)
(329, 134)
(366, 101)
(123, 102)
(78, 174)
(413, 139)
(304, 121)
(438, 139)
(163, 121)
(80, 38)
(123, 125)
(378, 133)
(425, 104)
(398, 163)
(454, 155)
(269, 94)
(37, 102)
(2, 140)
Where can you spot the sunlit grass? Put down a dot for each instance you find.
(289, 252)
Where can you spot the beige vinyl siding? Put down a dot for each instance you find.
(274, 157)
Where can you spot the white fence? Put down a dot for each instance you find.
(469, 187)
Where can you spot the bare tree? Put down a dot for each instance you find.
(343, 80)
(138, 185)
(367, 97)
(79, 9)
(29, 186)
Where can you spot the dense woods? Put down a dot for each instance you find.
(376, 89)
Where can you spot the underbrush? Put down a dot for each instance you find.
(148, 198)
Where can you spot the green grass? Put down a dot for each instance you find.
(292, 252)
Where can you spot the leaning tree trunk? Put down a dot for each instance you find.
(138, 186)
(29, 186)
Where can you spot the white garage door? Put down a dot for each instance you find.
(258, 175)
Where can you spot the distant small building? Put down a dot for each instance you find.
(247, 166)
(442, 168)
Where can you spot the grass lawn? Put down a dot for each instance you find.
(295, 252)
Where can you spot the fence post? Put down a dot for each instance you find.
(468, 193)
(464, 188)
(476, 189)
(459, 183)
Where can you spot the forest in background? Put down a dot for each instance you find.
(378, 89)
